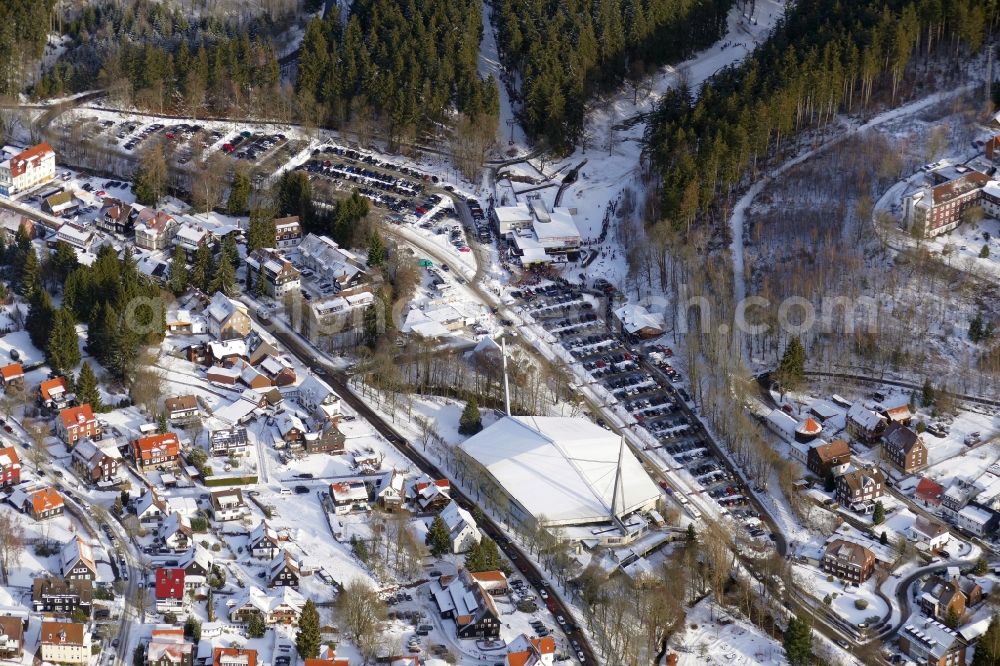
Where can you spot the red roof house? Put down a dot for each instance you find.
(443, 484)
(156, 450)
(44, 503)
(53, 392)
(929, 492)
(231, 656)
(12, 374)
(169, 589)
(10, 467)
(75, 423)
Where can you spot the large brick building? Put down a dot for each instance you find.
(860, 489)
(848, 561)
(904, 448)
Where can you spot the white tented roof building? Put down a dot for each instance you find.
(561, 470)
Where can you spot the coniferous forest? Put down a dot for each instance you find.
(400, 63)
(407, 61)
(826, 57)
(23, 26)
(563, 52)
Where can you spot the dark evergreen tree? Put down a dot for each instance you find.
(976, 328)
(307, 639)
(438, 538)
(239, 193)
(878, 517)
(371, 326)
(261, 231)
(201, 270)
(224, 276)
(830, 482)
(471, 420)
(798, 642)
(927, 393)
(255, 626)
(41, 315)
(377, 253)
(484, 556)
(29, 277)
(791, 370)
(294, 197)
(63, 349)
(192, 629)
(86, 388)
(178, 281)
(64, 261)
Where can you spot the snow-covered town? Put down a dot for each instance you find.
(503, 333)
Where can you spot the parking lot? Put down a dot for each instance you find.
(641, 380)
(185, 143)
(385, 184)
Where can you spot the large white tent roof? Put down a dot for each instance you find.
(561, 469)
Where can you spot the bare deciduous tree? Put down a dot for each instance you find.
(362, 615)
(11, 542)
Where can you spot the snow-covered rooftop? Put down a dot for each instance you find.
(561, 469)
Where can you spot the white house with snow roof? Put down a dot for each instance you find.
(462, 529)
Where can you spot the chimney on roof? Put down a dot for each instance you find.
(80, 418)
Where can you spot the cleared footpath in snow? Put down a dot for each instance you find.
(489, 63)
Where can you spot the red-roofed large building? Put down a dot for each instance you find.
(34, 166)
(11, 638)
(327, 657)
(10, 467)
(44, 504)
(74, 423)
(494, 582)
(169, 589)
(64, 643)
(156, 451)
(937, 206)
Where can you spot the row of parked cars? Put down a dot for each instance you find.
(479, 219)
(144, 134)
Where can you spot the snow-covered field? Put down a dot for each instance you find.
(844, 599)
(713, 638)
